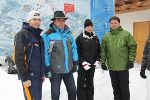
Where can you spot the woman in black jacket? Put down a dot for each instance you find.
(88, 47)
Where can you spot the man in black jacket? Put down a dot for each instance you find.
(29, 55)
(88, 47)
(146, 67)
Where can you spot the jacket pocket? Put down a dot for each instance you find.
(123, 59)
(124, 56)
(53, 60)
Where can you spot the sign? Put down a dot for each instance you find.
(101, 11)
(68, 7)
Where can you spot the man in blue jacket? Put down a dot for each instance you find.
(29, 55)
(61, 56)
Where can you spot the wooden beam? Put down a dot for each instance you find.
(136, 6)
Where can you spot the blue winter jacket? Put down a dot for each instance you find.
(60, 49)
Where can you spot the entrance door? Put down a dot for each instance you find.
(141, 32)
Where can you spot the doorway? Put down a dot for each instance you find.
(141, 32)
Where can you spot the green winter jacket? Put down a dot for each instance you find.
(117, 49)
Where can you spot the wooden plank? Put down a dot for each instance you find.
(136, 6)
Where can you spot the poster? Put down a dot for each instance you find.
(101, 11)
(14, 12)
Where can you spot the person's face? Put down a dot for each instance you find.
(35, 23)
(60, 23)
(114, 24)
(89, 29)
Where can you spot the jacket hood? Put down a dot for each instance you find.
(88, 37)
(116, 31)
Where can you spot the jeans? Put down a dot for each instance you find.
(69, 83)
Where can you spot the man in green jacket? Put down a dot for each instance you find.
(118, 51)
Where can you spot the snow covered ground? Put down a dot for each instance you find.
(11, 89)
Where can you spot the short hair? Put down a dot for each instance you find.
(114, 18)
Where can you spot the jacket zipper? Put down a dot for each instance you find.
(118, 43)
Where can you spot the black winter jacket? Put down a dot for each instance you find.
(146, 56)
(29, 53)
(88, 48)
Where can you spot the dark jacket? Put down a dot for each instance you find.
(146, 56)
(88, 48)
(29, 53)
(60, 49)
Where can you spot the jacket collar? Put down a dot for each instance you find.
(34, 31)
(116, 31)
(86, 36)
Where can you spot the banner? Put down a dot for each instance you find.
(68, 8)
(101, 11)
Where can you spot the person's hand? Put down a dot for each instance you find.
(48, 74)
(104, 67)
(27, 83)
(142, 74)
(97, 63)
(86, 65)
(130, 65)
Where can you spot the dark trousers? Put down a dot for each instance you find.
(120, 84)
(35, 89)
(85, 85)
(69, 83)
